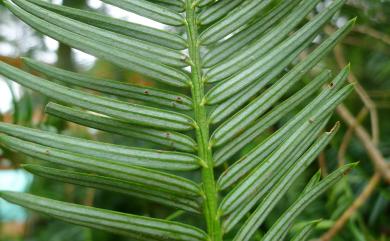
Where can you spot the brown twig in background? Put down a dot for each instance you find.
(370, 105)
(372, 33)
(363, 197)
(348, 137)
(358, 4)
(322, 164)
(382, 170)
(89, 197)
(376, 156)
(370, 143)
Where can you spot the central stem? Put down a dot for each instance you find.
(202, 128)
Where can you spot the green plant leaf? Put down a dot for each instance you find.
(136, 227)
(164, 160)
(277, 232)
(112, 40)
(254, 51)
(216, 11)
(143, 176)
(267, 120)
(258, 68)
(149, 10)
(290, 174)
(168, 139)
(115, 55)
(239, 62)
(313, 181)
(238, 214)
(237, 18)
(115, 185)
(245, 188)
(273, 116)
(202, 3)
(174, 6)
(131, 113)
(253, 158)
(305, 232)
(258, 216)
(134, 30)
(241, 39)
(178, 3)
(257, 107)
(233, 104)
(116, 88)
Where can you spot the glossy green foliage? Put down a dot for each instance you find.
(239, 75)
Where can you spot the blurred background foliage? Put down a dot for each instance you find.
(367, 48)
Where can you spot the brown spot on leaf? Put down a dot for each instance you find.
(179, 99)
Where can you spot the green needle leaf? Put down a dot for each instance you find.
(249, 161)
(111, 24)
(251, 182)
(232, 66)
(258, 216)
(136, 227)
(238, 60)
(176, 6)
(163, 160)
(279, 233)
(131, 113)
(146, 177)
(216, 11)
(202, 3)
(115, 55)
(168, 139)
(236, 102)
(245, 117)
(115, 185)
(237, 215)
(278, 191)
(147, 50)
(259, 67)
(149, 10)
(226, 49)
(116, 88)
(272, 117)
(305, 232)
(237, 18)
